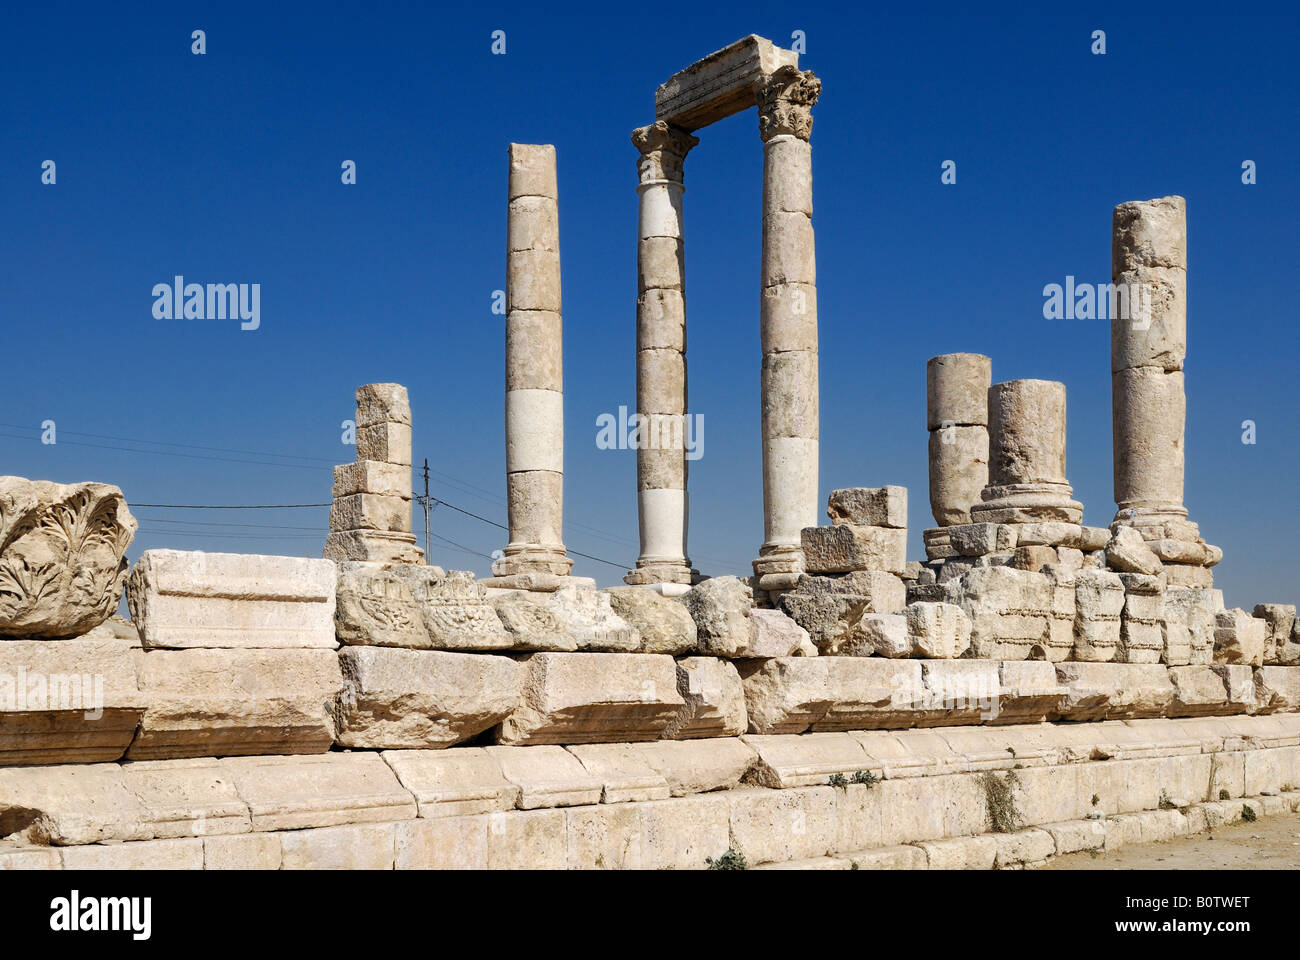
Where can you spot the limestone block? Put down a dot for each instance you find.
(1093, 538)
(957, 386)
(625, 773)
(786, 695)
(66, 805)
(663, 624)
(1196, 610)
(386, 442)
(1033, 557)
(1009, 611)
(845, 547)
(1099, 603)
(227, 702)
(1239, 679)
(979, 539)
(530, 623)
(178, 854)
(1180, 551)
(1127, 552)
(382, 403)
(1280, 620)
(959, 470)
(860, 693)
(714, 700)
(454, 608)
(1239, 638)
(63, 562)
(1071, 836)
(1023, 847)
(296, 793)
(374, 546)
(959, 691)
(882, 634)
(1142, 635)
(1279, 688)
(1049, 533)
(1029, 692)
(1198, 692)
(885, 592)
(869, 506)
(31, 858)
(372, 477)
(777, 635)
(776, 826)
(74, 701)
(1189, 576)
(1116, 691)
(1177, 643)
(453, 783)
(422, 698)
(938, 630)
(594, 698)
(357, 846)
(961, 853)
(720, 607)
(186, 798)
(586, 615)
(547, 776)
(242, 851)
(698, 766)
(831, 620)
(805, 761)
(371, 511)
(188, 598)
(375, 607)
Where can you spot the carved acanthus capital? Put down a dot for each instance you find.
(785, 101)
(663, 150)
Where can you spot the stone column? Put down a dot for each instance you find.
(534, 368)
(370, 518)
(661, 395)
(1027, 481)
(1148, 343)
(957, 416)
(789, 325)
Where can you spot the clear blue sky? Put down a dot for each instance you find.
(226, 168)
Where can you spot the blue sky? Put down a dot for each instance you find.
(225, 167)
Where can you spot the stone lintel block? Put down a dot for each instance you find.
(67, 701)
(295, 793)
(206, 702)
(720, 84)
(190, 598)
(869, 506)
(453, 783)
(846, 547)
(594, 698)
(547, 776)
(396, 698)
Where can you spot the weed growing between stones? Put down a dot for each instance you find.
(733, 859)
(1000, 796)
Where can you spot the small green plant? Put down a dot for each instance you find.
(733, 859)
(1165, 802)
(1095, 799)
(1224, 795)
(1094, 852)
(1287, 788)
(866, 778)
(1248, 814)
(838, 780)
(1011, 750)
(1000, 796)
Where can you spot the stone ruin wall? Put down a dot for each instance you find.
(842, 708)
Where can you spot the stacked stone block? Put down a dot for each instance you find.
(957, 417)
(370, 518)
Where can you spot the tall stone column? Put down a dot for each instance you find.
(1148, 343)
(1027, 482)
(534, 368)
(957, 416)
(785, 100)
(661, 394)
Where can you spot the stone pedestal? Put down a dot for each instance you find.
(370, 518)
(1027, 481)
(789, 325)
(1148, 343)
(661, 392)
(534, 369)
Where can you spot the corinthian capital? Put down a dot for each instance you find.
(663, 150)
(785, 101)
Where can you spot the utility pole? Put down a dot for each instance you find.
(425, 501)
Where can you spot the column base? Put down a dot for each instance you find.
(375, 546)
(1027, 503)
(524, 558)
(537, 582)
(938, 545)
(778, 566)
(648, 574)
